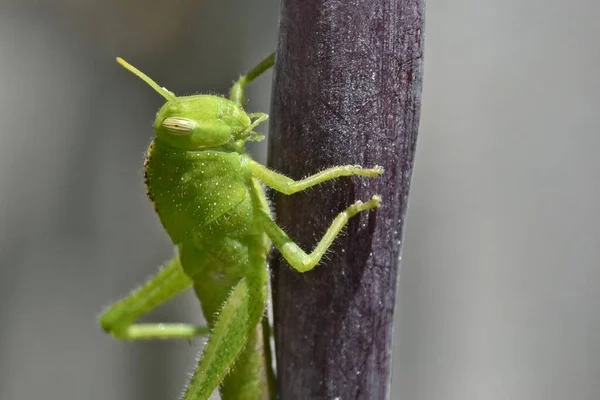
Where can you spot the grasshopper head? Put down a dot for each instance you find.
(195, 122)
(200, 122)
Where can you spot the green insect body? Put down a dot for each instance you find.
(209, 197)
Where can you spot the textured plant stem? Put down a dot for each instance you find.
(347, 90)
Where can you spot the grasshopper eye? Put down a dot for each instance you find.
(179, 126)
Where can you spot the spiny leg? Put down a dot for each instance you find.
(294, 255)
(167, 283)
(238, 90)
(286, 185)
(241, 312)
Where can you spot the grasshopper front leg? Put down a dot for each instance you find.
(298, 258)
(294, 255)
(237, 93)
(286, 185)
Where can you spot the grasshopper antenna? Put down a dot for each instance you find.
(170, 96)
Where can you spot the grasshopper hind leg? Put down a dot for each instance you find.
(169, 282)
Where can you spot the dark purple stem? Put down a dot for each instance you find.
(347, 90)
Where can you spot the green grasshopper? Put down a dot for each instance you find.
(209, 196)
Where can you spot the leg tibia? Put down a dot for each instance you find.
(167, 283)
(239, 316)
(285, 185)
(238, 90)
(294, 255)
(160, 331)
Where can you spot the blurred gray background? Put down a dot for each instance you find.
(499, 286)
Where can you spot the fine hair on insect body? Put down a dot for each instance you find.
(209, 196)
